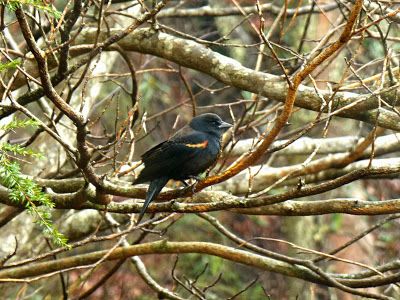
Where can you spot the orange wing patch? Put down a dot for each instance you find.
(200, 145)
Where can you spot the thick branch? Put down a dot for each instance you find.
(164, 247)
(230, 11)
(229, 71)
(195, 56)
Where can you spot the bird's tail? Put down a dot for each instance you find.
(155, 188)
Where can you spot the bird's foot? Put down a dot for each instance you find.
(193, 186)
(197, 178)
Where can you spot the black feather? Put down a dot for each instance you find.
(186, 154)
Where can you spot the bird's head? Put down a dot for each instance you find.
(210, 123)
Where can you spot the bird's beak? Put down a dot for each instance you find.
(224, 125)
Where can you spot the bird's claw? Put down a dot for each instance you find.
(193, 186)
(198, 179)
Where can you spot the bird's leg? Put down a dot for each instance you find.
(197, 178)
(187, 186)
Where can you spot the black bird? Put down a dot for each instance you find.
(188, 153)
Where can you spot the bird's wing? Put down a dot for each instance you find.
(171, 154)
(177, 147)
